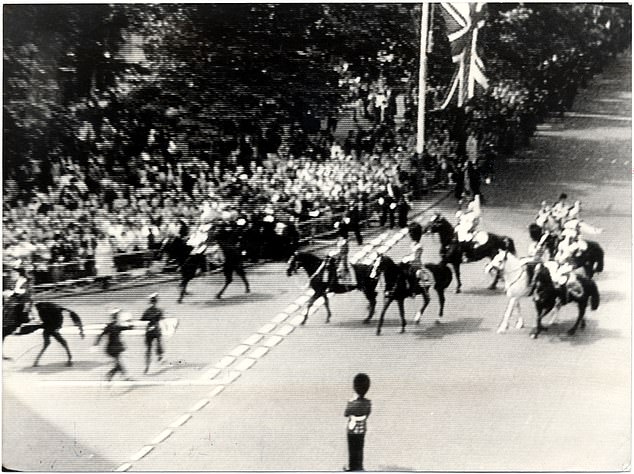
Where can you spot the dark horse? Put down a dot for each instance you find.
(51, 317)
(454, 252)
(546, 294)
(315, 270)
(590, 259)
(189, 269)
(401, 281)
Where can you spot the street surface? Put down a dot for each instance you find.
(237, 394)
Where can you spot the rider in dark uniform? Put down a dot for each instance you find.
(18, 302)
(229, 243)
(153, 316)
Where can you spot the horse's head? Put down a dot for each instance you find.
(497, 263)
(293, 264)
(535, 232)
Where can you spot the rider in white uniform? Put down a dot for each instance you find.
(469, 221)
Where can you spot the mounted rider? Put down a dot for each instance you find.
(338, 267)
(418, 275)
(562, 267)
(19, 298)
(574, 221)
(469, 222)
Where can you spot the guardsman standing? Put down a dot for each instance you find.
(357, 411)
(153, 315)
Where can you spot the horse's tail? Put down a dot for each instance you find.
(594, 294)
(76, 319)
(600, 255)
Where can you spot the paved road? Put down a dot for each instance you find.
(450, 396)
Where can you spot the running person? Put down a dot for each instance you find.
(114, 347)
(153, 315)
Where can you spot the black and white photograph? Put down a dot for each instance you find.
(317, 237)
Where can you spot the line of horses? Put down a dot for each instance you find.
(521, 278)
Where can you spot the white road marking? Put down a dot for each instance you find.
(216, 391)
(163, 436)
(225, 362)
(123, 467)
(258, 352)
(297, 320)
(267, 328)
(211, 373)
(291, 308)
(272, 341)
(285, 330)
(199, 405)
(239, 350)
(279, 318)
(232, 376)
(144, 451)
(302, 299)
(181, 420)
(253, 339)
(245, 364)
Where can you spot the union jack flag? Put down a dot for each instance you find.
(463, 21)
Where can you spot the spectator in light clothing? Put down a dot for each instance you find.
(357, 410)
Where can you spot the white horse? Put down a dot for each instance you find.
(516, 284)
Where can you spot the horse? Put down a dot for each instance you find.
(189, 269)
(590, 259)
(315, 268)
(453, 252)
(401, 281)
(51, 319)
(546, 296)
(517, 283)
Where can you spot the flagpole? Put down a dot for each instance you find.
(422, 79)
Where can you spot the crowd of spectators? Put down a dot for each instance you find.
(119, 185)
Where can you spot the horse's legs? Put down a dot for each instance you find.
(371, 296)
(47, 342)
(184, 284)
(520, 321)
(494, 283)
(539, 328)
(243, 276)
(456, 269)
(504, 325)
(441, 300)
(401, 310)
(228, 280)
(327, 305)
(58, 337)
(386, 305)
(309, 304)
(426, 300)
(582, 311)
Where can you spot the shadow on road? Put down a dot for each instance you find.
(448, 328)
(236, 299)
(56, 367)
(558, 333)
